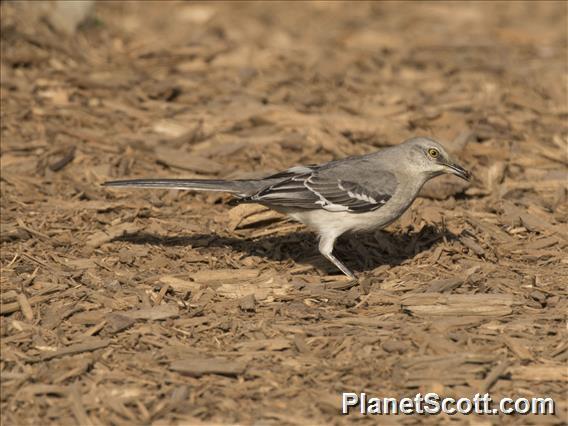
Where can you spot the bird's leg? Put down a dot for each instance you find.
(326, 249)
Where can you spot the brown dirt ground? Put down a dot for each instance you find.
(141, 307)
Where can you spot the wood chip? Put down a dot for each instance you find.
(242, 212)
(116, 231)
(197, 367)
(25, 307)
(542, 243)
(435, 304)
(276, 344)
(81, 263)
(68, 156)
(493, 376)
(116, 322)
(78, 407)
(248, 303)
(518, 348)
(263, 287)
(9, 308)
(180, 285)
(540, 373)
(187, 161)
(42, 389)
(86, 346)
(224, 275)
(155, 313)
(448, 284)
(472, 245)
(443, 188)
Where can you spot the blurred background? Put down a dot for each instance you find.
(94, 90)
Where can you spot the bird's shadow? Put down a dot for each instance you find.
(360, 252)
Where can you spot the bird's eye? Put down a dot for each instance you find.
(433, 152)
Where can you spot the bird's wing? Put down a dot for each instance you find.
(317, 190)
(292, 172)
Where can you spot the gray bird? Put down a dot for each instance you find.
(355, 194)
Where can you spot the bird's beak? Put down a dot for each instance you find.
(458, 170)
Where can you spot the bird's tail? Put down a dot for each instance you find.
(239, 188)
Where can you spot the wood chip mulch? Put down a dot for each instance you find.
(165, 307)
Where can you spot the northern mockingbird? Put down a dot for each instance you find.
(358, 193)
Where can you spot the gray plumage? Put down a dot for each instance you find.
(350, 195)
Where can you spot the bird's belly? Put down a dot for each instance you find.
(342, 222)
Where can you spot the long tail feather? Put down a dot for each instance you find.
(232, 187)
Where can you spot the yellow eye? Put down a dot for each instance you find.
(433, 152)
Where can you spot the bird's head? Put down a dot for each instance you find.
(431, 158)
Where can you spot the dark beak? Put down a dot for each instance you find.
(458, 171)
